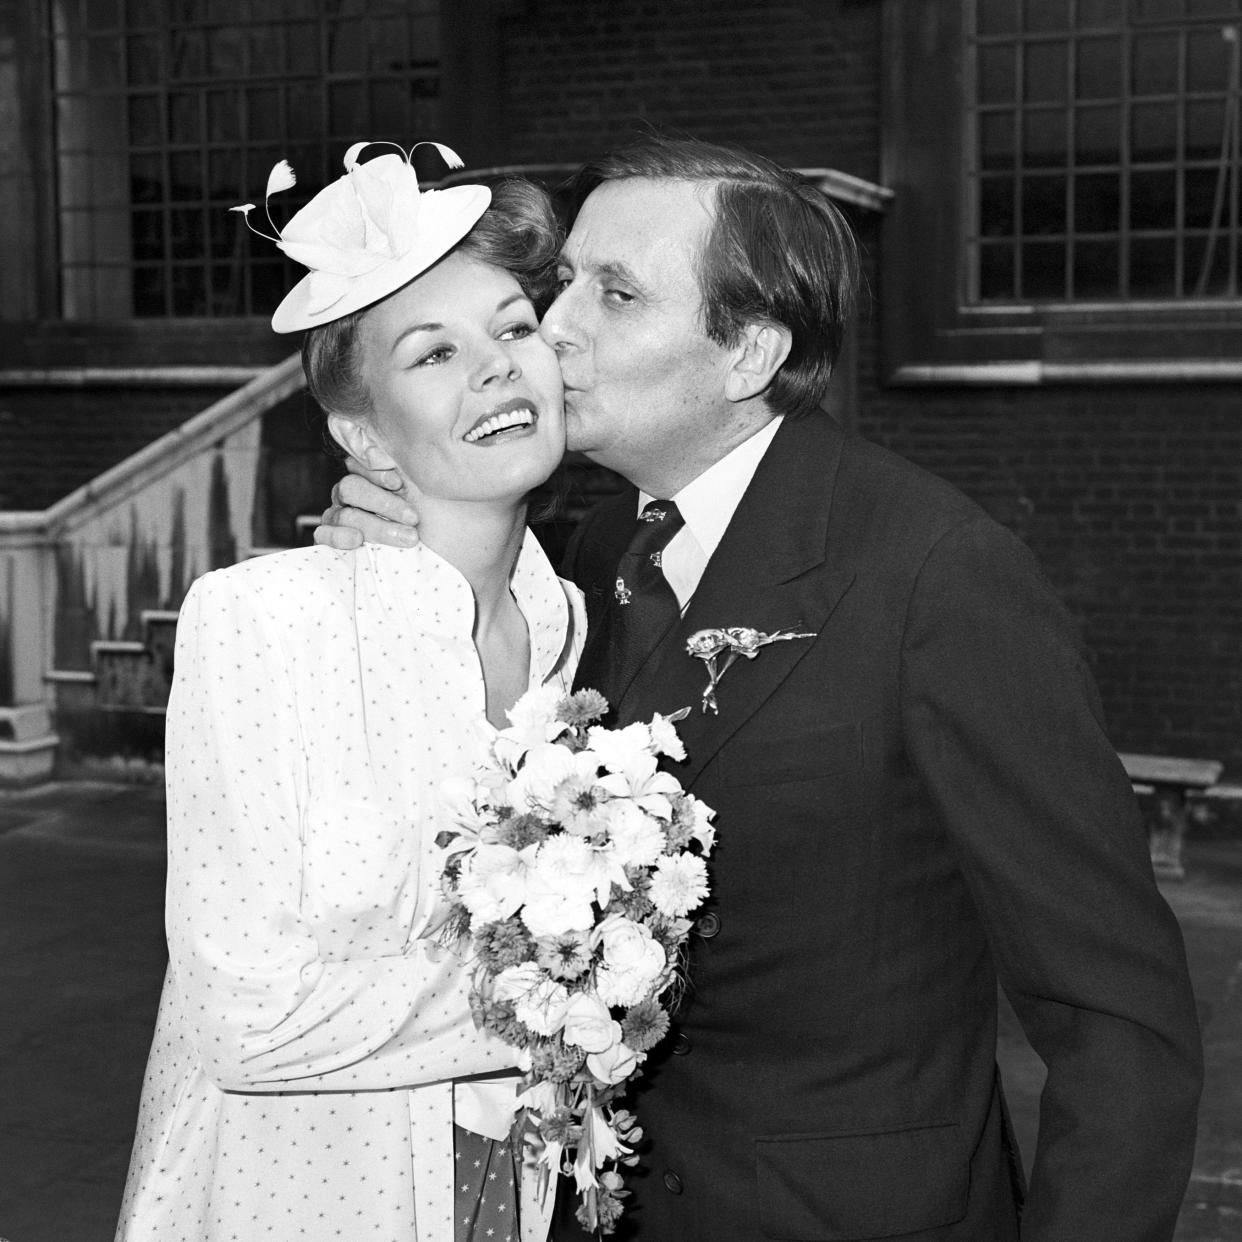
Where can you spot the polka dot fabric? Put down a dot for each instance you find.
(300, 1080)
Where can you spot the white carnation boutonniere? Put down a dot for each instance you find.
(720, 648)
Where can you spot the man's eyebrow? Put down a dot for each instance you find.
(611, 269)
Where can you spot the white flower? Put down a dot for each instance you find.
(545, 767)
(613, 1065)
(532, 720)
(625, 987)
(561, 884)
(702, 829)
(619, 749)
(579, 803)
(678, 884)
(542, 1008)
(629, 945)
(664, 738)
(635, 839)
(493, 882)
(588, 1024)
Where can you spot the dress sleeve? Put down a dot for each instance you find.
(266, 1008)
(1005, 726)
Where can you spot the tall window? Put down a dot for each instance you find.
(1066, 177)
(168, 112)
(1104, 163)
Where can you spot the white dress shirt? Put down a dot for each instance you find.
(300, 1080)
(707, 504)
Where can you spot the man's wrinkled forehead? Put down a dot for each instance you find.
(633, 227)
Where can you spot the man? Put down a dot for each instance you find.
(915, 793)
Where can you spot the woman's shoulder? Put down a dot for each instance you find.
(284, 583)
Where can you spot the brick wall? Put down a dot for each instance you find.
(1131, 497)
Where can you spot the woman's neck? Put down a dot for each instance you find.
(480, 540)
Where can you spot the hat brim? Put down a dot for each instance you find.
(444, 218)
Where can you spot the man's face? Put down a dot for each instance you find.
(644, 384)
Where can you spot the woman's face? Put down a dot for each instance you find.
(466, 398)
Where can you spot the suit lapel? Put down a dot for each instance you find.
(772, 571)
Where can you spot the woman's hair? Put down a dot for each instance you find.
(518, 232)
(777, 252)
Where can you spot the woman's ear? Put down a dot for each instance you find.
(361, 441)
(757, 357)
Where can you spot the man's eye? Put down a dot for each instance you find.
(618, 297)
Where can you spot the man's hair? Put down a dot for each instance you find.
(518, 232)
(778, 252)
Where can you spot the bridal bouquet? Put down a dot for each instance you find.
(572, 865)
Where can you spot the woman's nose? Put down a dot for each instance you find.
(497, 365)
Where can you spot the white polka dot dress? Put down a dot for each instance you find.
(299, 1084)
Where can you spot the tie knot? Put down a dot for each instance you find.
(659, 521)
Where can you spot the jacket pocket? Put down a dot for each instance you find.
(839, 1187)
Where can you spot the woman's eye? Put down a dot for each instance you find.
(518, 332)
(441, 353)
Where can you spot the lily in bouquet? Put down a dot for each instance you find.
(573, 865)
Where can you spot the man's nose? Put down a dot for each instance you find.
(557, 327)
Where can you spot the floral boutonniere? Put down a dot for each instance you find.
(737, 640)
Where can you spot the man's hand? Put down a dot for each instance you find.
(368, 507)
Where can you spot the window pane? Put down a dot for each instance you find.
(996, 141)
(996, 207)
(1153, 200)
(1100, 12)
(1097, 203)
(1042, 15)
(1097, 269)
(997, 16)
(1153, 133)
(1043, 205)
(1209, 55)
(1043, 139)
(1153, 68)
(1152, 267)
(1043, 270)
(1097, 135)
(1097, 73)
(1046, 73)
(1207, 195)
(997, 74)
(996, 273)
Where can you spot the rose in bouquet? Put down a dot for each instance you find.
(572, 866)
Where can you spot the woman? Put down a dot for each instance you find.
(300, 1080)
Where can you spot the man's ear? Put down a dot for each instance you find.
(361, 441)
(757, 357)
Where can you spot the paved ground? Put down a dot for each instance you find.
(82, 957)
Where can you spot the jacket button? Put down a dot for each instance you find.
(709, 925)
(672, 1183)
(681, 1044)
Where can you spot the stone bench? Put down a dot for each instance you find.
(1171, 781)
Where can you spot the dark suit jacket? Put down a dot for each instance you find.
(915, 801)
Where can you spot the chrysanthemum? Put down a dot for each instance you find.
(644, 1026)
(582, 708)
(560, 1127)
(504, 943)
(565, 956)
(499, 1018)
(678, 884)
(556, 1061)
(519, 831)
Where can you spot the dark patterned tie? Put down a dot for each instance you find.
(643, 606)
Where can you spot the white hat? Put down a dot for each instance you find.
(367, 234)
